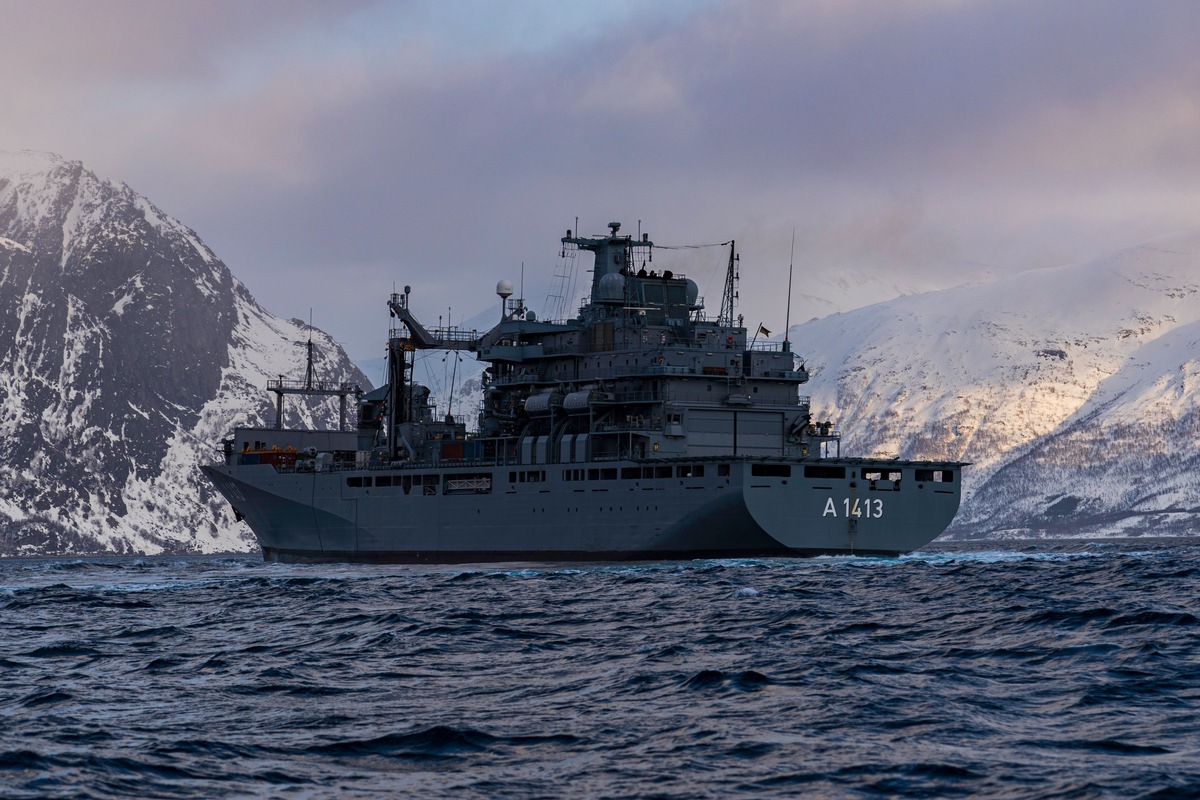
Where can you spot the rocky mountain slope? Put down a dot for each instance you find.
(127, 351)
(1073, 391)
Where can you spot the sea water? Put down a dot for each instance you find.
(985, 670)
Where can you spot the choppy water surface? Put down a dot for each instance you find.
(1068, 670)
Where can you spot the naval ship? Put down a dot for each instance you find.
(642, 428)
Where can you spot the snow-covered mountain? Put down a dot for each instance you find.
(1073, 391)
(127, 351)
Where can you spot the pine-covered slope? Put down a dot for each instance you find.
(1072, 390)
(127, 351)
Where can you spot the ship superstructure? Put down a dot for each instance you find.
(641, 428)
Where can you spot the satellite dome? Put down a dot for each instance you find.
(693, 292)
(612, 288)
(504, 289)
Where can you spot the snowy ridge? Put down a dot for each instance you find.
(128, 351)
(1072, 391)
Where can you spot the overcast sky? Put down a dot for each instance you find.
(328, 150)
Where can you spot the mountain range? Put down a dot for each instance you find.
(1071, 390)
(127, 351)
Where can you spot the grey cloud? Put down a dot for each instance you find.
(921, 143)
(80, 41)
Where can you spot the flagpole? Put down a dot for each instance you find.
(787, 324)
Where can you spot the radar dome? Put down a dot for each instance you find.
(693, 292)
(612, 288)
(504, 289)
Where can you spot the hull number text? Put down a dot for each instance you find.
(853, 508)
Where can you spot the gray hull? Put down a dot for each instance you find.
(589, 514)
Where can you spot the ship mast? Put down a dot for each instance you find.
(729, 297)
(310, 387)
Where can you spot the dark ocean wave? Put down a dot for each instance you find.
(1024, 670)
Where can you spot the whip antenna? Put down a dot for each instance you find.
(787, 320)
